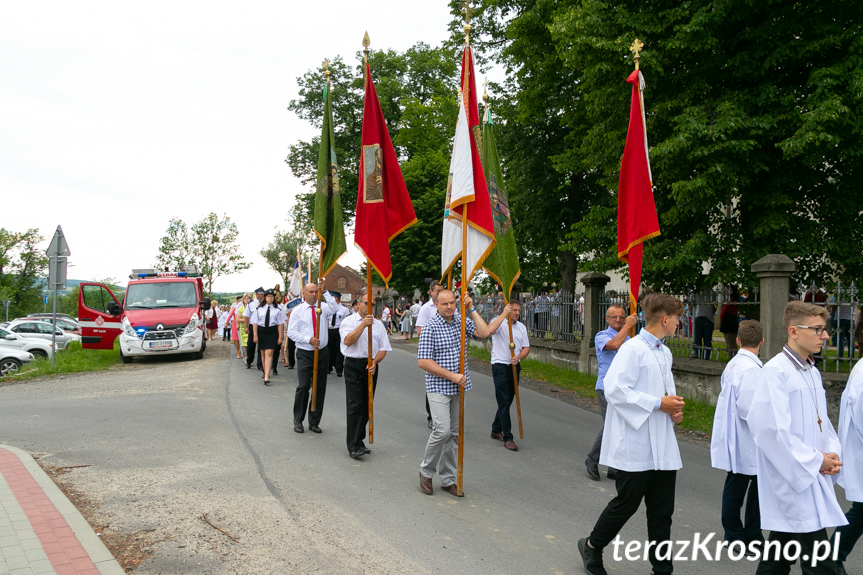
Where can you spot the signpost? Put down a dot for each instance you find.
(6, 303)
(57, 253)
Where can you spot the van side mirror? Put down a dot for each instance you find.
(206, 304)
(113, 308)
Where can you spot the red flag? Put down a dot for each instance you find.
(467, 200)
(636, 211)
(384, 208)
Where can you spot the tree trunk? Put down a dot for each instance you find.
(568, 272)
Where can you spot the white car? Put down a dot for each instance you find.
(11, 360)
(37, 347)
(41, 330)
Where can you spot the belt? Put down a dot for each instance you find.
(362, 359)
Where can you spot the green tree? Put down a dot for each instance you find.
(210, 245)
(174, 247)
(21, 266)
(281, 253)
(546, 196)
(755, 146)
(417, 91)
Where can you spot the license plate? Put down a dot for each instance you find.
(166, 344)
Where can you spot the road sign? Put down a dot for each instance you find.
(45, 299)
(58, 246)
(56, 273)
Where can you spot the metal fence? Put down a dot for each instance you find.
(555, 316)
(840, 352)
(560, 317)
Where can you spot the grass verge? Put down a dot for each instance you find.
(71, 360)
(697, 415)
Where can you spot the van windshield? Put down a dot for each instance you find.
(160, 295)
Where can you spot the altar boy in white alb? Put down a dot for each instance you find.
(638, 438)
(851, 478)
(798, 450)
(731, 445)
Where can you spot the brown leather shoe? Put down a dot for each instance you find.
(452, 490)
(426, 484)
(511, 445)
(498, 436)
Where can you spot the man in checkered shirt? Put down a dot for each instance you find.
(438, 356)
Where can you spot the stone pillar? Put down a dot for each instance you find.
(774, 271)
(594, 287)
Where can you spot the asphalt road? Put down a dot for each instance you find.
(169, 440)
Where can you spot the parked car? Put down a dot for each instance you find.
(67, 325)
(65, 316)
(36, 346)
(11, 360)
(42, 330)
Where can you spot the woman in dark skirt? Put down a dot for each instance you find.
(268, 324)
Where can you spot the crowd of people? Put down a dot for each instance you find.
(771, 434)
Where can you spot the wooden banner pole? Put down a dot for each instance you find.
(317, 330)
(515, 379)
(369, 311)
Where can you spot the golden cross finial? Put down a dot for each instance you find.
(326, 66)
(636, 49)
(468, 12)
(485, 91)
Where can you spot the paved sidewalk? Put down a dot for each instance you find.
(41, 532)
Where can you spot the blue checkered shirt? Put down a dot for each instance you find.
(440, 342)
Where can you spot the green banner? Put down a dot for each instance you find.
(502, 262)
(328, 204)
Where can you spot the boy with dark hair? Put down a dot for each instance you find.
(797, 447)
(638, 439)
(731, 445)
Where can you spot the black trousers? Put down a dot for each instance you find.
(292, 352)
(302, 398)
(250, 351)
(656, 488)
(771, 564)
(357, 400)
(733, 495)
(337, 360)
(504, 392)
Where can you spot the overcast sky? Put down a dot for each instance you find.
(117, 116)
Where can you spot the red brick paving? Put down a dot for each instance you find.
(59, 542)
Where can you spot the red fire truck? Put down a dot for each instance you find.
(161, 313)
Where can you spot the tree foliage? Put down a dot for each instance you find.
(210, 245)
(281, 253)
(21, 266)
(751, 118)
(417, 91)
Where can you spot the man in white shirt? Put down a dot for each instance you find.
(336, 357)
(415, 313)
(638, 439)
(851, 476)
(355, 347)
(251, 354)
(310, 332)
(502, 362)
(731, 445)
(798, 449)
